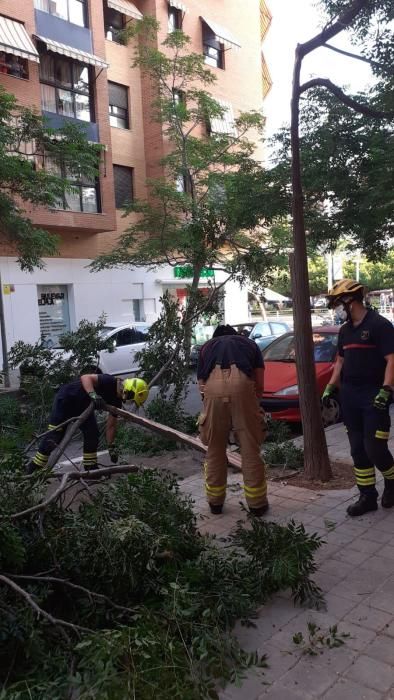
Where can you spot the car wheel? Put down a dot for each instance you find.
(331, 414)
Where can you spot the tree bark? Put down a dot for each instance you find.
(316, 461)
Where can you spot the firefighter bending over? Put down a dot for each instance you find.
(365, 372)
(72, 399)
(230, 374)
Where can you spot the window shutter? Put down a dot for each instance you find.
(123, 180)
(118, 95)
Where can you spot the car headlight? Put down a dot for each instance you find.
(287, 391)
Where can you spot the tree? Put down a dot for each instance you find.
(27, 144)
(357, 15)
(207, 209)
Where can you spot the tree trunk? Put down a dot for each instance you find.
(316, 461)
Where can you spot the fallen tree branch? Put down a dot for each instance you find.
(69, 584)
(58, 451)
(94, 475)
(40, 611)
(171, 434)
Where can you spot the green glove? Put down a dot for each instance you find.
(328, 393)
(113, 453)
(383, 398)
(98, 401)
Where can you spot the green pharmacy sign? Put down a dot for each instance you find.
(186, 272)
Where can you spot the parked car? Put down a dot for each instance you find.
(127, 341)
(280, 398)
(264, 332)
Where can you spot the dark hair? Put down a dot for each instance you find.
(224, 330)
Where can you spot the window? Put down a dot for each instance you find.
(84, 195)
(74, 11)
(118, 105)
(138, 311)
(213, 49)
(66, 87)
(113, 24)
(123, 337)
(123, 180)
(13, 65)
(174, 19)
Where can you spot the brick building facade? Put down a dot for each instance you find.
(65, 58)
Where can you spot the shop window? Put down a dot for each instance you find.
(66, 88)
(213, 49)
(13, 65)
(53, 312)
(174, 19)
(114, 24)
(74, 11)
(123, 182)
(118, 105)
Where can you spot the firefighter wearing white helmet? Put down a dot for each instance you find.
(364, 373)
(72, 399)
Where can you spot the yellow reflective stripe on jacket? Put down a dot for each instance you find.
(382, 434)
(53, 427)
(365, 477)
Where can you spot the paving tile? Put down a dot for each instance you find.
(340, 570)
(271, 619)
(327, 581)
(309, 677)
(381, 648)
(359, 637)
(280, 692)
(349, 555)
(372, 673)
(387, 551)
(379, 536)
(367, 546)
(378, 564)
(337, 606)
(279, 662)
(382, 601)
(370, 618)
(346, 689)
(252, 687)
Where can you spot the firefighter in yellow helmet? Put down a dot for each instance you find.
(364, 371)
(72, 399)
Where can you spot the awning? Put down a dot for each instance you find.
(125, 7)
(76, 54)
(178, 5)
(222, 35)
(15, 39)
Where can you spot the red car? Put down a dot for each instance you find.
(280, 398)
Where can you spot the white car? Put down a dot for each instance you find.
(127, 341)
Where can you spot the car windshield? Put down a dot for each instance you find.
(107, 329)
(283, 350)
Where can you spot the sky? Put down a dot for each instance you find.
(295, 21)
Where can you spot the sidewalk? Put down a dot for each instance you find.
(356, 572)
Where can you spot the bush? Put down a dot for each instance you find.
(284, 454)
(43, 371)
(151, 600)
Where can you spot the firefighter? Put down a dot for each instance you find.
(230, 373)
(364, 370)
(72, 399)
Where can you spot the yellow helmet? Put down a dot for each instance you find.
(344, 288)
(135, 390)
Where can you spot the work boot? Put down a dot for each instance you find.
(365, 504)
(90, 467)
(388, 496)
(216, 509)
(258, 512)
(31, 467)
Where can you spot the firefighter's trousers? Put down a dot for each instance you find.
(230, 403)
(368, 430)
(62, 410)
